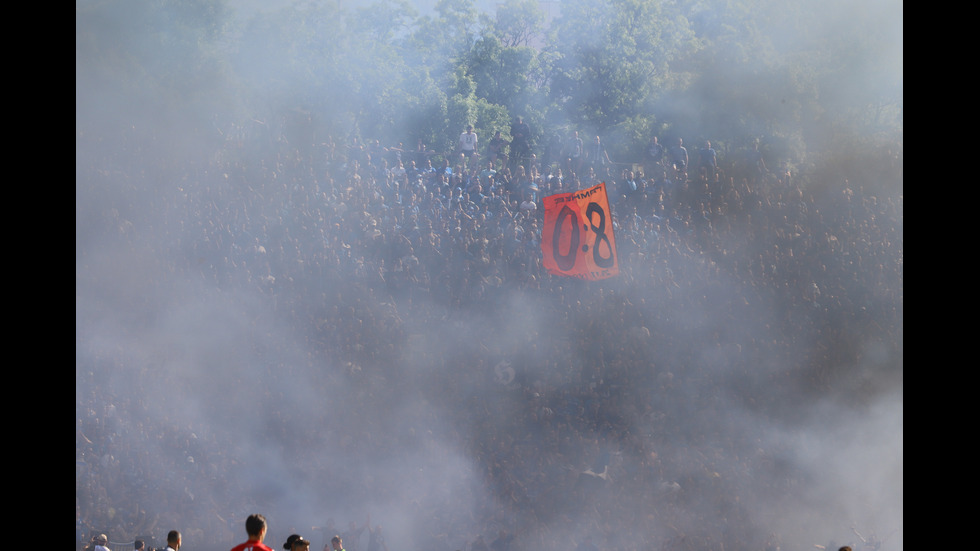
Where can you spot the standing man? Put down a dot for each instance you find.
(468, 142)
(520, 145)
(574, 149)
(256, 528)
(337, 543)
(709, 160)
(655, 155)
(376, 540)
(551, 161)
(139, 545)
(328, 528)
(598, 158)
(173, 540)
(679, 158)
(498, 149)
(353, 534)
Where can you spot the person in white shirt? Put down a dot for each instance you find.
(527, 202)
(99, 543)
(468, 142)
(173, 540)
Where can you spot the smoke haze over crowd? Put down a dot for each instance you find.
(288, 386)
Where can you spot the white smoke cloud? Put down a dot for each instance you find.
(183, 367)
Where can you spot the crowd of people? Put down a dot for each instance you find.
(361, 245)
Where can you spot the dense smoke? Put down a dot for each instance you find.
(216, 377)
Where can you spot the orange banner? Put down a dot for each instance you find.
(577, 238)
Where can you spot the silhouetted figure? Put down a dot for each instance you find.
(520, 145)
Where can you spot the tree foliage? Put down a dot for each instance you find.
(517, 23)
(804, 73)
(615, 58)
(501, 74)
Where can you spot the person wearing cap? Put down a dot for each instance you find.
(296, 542)
(256, 527)
(99, 543)
(173, 540)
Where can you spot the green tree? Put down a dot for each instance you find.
(516, 23)
(801, 73)
(437, 40)
(155, 67)
(424, 111)
(297, 55)
(501, 74)
(384, 21)
(613, 58)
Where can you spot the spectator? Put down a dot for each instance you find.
(597, 157)
(399, 173)
(376, 539)
(423, 261)
(468, 142)
(573, 153)
(552, 158)
(528, 204)
(498, 149)
(520, 145)
(709, 161)
(328, 530)
(654, 156)
(352, 537)
(628, 189)
(679, 159)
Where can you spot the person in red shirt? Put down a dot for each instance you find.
(256, 527)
